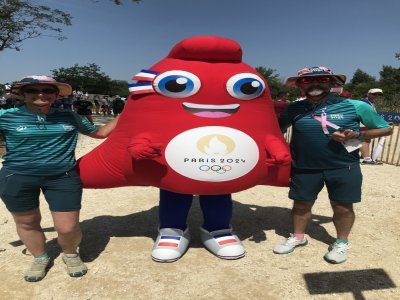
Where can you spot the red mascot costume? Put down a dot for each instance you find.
(200, 121)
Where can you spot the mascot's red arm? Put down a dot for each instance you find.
(142, 147)
(277, 151)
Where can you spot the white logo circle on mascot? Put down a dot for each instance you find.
(212, 153)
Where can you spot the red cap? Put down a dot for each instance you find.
(207, 48)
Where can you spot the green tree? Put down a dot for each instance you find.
(390, 84)
(274, 82)
(119, 87)
(87, 78)
(21, 20)
(360, 76)
(360, 83)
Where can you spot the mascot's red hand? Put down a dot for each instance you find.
(282, 159)
(141, 147)
(277, 152)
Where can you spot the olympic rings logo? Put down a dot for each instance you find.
(215, 169)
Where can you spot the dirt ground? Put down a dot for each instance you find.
(120, 226)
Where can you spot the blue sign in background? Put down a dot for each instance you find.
(391, 117)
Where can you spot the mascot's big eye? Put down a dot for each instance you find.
(245, 86)
(177, 84)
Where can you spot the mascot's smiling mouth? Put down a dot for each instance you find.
(211, 111)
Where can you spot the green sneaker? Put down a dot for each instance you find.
(75, 266)
(38, 269)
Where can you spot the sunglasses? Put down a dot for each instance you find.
(377, 94)
(37, 91)
(320, 79)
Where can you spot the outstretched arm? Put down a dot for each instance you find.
(105, 130)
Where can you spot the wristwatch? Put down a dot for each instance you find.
(360, 135)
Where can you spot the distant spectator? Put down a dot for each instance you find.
(104, 106)
(346, 94)
(57, 103)
(10, 102)
(117, 106)
(84, 108)
(96, 101)
(109, 101)
(372, 96)
(67, 102)
(3, 102)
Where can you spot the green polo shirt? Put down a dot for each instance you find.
(41, 144)
(310, 147)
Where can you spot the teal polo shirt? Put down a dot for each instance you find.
(310, 147)
(41, 144)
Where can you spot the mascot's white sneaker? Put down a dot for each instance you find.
(223, 243)
(170, 245)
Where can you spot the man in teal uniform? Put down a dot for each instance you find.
(324, 146)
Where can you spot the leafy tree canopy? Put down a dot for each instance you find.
(90, 79)
(119, 87)
(276, 84)
(87, 78)
(21, 20)
(360, 76)
(389, 82)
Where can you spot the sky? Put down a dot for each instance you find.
(285, 35)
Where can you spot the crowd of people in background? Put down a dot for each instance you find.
(84, 104)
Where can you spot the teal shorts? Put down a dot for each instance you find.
(20, 193)
(343, 185)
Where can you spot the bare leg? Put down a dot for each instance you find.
(68, 229)
(301, 215)
(30, 231)
(343, 219)
(365, 153)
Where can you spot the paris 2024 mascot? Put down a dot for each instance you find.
(200, 121)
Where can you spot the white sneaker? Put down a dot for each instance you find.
(289, 245)
(337, 253)
(222, 243)
(170, 245)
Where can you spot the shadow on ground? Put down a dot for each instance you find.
(249, 221)
(354, 282)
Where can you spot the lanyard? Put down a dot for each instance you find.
(324, 122)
